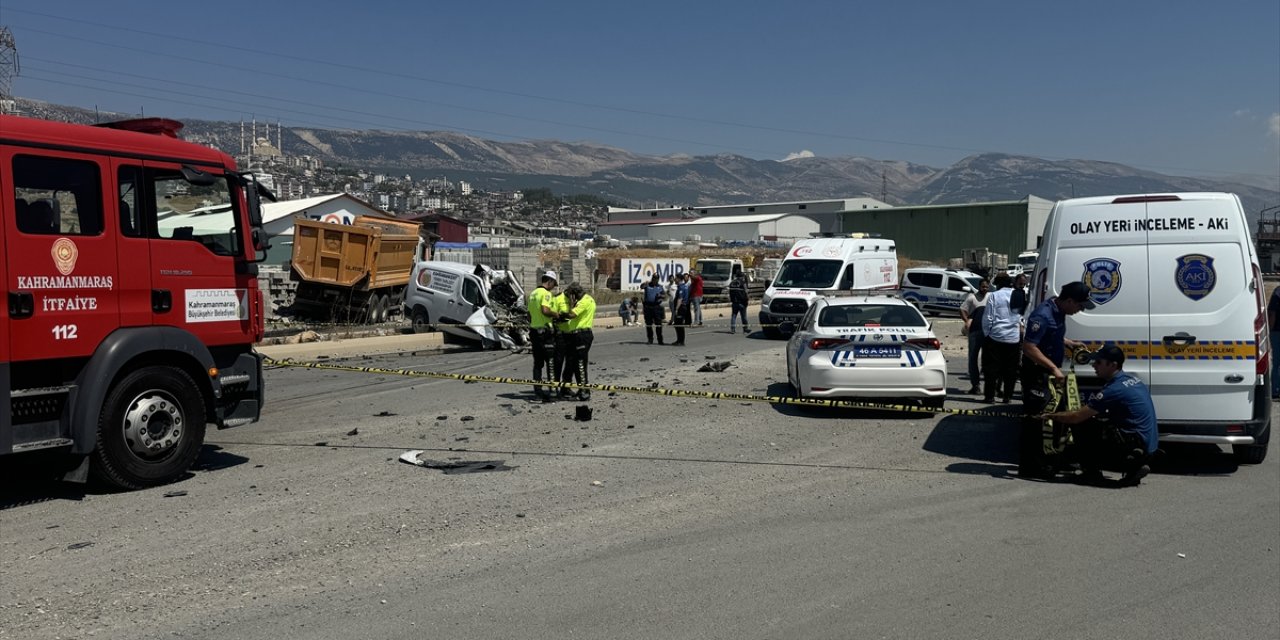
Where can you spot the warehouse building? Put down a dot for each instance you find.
(936, 233)
(826, 213)
(775, 227)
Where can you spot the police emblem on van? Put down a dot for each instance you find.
(1196, 276)
(1104, 279)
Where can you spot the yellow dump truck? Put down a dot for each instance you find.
(354, 272)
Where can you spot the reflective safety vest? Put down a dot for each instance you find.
(584, 313)
(537, 298)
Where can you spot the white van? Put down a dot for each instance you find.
(935, 290)
(468, 301)
(826, 265)
(1177, 285)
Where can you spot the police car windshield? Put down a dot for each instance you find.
(808, 274)
(871, 315)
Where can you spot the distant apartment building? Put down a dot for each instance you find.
(464, 188)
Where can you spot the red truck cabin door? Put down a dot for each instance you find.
(60, 254)
(195, 244)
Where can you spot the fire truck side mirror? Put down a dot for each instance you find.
(260, 241)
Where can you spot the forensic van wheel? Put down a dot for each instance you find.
(150, 430)
(1249, 453)
(421, 322)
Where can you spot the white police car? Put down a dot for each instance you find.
(866, 346)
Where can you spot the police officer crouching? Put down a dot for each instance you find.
(1128, 437)
(540, 334)
(576, 329)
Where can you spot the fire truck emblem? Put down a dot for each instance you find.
(1196, 276)
(1103, 277)
(64, 255)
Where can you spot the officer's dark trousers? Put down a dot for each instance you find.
(1032, 460)
(682, 319)
(577, 357)
(1100, 445)
(653, 319)
(561, 343)
(543, 356)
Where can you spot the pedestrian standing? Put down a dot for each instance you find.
(653, 294)
(540, 333)
(578, 337)
(673, 283)
(1044, 348)
(1001, 346)
(1018, 299)
(1128, 437)
(682, 315)
(738, 300)
(971, 311)
(695, 296)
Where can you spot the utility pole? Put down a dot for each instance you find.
(9, 70)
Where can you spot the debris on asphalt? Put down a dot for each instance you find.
(715, 366)
(597, 483)
(457, 467)
(1182, 555)
(582, 413)
(644, 359)
(468, 418)
(79, 545)
(383, 414)
(442, 417)
(175, 494)
(322, 444)
(354, 432)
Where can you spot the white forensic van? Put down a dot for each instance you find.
(1177, 285)
(815, 266)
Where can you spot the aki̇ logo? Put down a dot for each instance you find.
(1104, 280)
(1196, 276)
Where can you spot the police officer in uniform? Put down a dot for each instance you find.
(578, 337)
(540, 333)
(560, 325)
(653, 293)
(1129, 435)
(1043, 348)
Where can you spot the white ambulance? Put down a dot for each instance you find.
(1177, 285)
(817, 266)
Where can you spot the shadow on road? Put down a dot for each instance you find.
(784, 389)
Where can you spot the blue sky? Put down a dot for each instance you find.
(1177, 87)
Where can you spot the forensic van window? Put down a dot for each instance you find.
(57, 196)
(185, 211)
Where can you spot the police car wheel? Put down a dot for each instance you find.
(150, 430)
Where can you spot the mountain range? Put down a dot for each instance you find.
(645, 180)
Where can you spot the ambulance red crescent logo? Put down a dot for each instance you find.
(801, 252)
(64, 255)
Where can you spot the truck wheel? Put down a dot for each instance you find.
(380, 306)
(150, 430)
(421, 323)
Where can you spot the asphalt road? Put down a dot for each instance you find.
(658, 518)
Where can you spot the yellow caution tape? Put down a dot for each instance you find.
(653, 390)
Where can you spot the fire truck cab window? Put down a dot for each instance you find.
(57, 196)
(203, 214)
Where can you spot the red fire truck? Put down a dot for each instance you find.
(133, 300)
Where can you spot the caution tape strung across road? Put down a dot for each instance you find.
(654, 390)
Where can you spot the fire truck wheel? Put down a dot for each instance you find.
(421, 323)
(150, 430)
